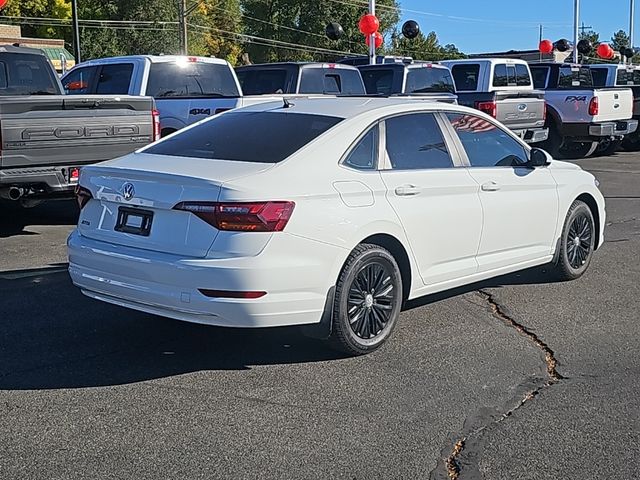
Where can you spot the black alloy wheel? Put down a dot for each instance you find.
(368, 300)
(577, 243)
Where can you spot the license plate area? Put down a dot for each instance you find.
(134, 221)
(622, 126)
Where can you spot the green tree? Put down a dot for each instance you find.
(46, 9)
(619, 39)
(300, 22)
(593, 37)
(424, 47)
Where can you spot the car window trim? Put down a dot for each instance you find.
(386, 161)
(460, 147)
(355, 143)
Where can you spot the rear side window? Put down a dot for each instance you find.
(115, 78)
(379, 81)
(625, 77)
(540, 75)
(511, 76)
(331, 81)
(415, 142)
(25, 74)
(191, 79)
(259, 137)
(571, 77)
(79, 81)
(466, 76)
(261, 82)
(363, 156)
(429, 80)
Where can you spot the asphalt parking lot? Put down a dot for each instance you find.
(519, 377)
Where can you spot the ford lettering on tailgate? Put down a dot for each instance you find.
(44, 133)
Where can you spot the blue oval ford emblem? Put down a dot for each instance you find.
(522, 107)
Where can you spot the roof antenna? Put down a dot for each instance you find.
(287, 103)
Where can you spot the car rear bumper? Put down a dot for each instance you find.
(47, 180)
(168, 285)
(533, 135)
(613, 129)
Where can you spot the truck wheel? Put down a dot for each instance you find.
(553, 142)
(631, 143)
(577, 150)
(607, 147)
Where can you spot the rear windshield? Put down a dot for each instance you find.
(572, 77)
(466, 76)
(191, 79)
(511, 76)
(25, 74)
(429, 80)
(540, 75)
(259, 137)
(626, 78)
(378, 81)
(331, 81)
(261, 82)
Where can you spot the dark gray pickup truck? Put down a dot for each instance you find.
(47, 136)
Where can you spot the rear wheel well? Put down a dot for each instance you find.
(399, 253)
(593, 206)
(167, 131)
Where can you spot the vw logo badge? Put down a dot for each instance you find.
(128, 191)
(522, 107)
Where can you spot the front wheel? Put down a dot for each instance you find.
(577, 243)
(368, 300)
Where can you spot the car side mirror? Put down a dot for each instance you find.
(538, 158)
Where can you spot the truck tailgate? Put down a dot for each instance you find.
(68, 130)
(520, 110)
(613, 104)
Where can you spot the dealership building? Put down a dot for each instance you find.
(55, 49)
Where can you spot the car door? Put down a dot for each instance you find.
(436, 201)
(519, 203)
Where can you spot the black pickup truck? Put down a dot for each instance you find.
(47, 136)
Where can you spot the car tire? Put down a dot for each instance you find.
(577, 242)
(607, 147)
(631, 143)
(367, 302)
(553, 142)
(577, 150)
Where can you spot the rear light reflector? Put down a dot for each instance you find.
(74, 174)
(83, 195)
(230, 294)
(155, 115)
(242, 217)
(594, 106)
(490, 108)
(544, 111)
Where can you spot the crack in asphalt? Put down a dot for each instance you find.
(453, 464)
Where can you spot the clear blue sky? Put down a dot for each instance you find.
(476, 26)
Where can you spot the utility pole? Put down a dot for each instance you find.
(583, 28)
(182, 20)
(372, 38)
(576, 29)
(631, 22)
(540, 40)
(76, 30)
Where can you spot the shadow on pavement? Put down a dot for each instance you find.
(15, 220)
(53, 337)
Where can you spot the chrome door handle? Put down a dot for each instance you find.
(490, 187)
(407, 190)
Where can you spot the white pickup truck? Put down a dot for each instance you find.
(186, 89)
(502, 88)
(579, 115)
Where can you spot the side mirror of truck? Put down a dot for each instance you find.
(538, 158)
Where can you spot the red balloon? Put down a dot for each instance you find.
(605, 51)
(378, 42)
(546, 46)
(3, 3)
(369, 24)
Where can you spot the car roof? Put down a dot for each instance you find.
(155, 59)
(26, 50)
(298, 65)
(351, 107)
(482, 59)
(411, 66)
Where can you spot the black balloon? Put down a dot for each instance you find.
(585, 47)
(562, 45)
(334, 31)
(410, 29)
(627, 52)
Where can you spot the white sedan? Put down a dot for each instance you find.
(328, 213)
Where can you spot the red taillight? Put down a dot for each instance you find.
(155, 115)
(594, 106)
(83, 195)
(74, 174)
(230, 294)
(490, 108)
(242, 217)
